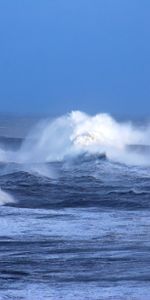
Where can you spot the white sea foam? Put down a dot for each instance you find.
(78, 132)
(5, 198)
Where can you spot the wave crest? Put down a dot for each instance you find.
(77, 133)
(5, 198)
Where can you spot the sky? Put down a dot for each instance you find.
(62, 55)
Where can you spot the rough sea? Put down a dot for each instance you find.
(75, 209)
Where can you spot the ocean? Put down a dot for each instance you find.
(75, 208)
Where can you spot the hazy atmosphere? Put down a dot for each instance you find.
(57, 56)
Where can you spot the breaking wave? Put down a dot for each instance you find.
(77, 133)
(5, 198)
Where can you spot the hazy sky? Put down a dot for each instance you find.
(62, 55)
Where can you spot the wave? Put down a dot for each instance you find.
(5, 198)
(77, 133)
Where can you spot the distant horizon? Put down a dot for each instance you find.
(37, 116)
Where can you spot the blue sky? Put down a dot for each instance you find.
(91, 55)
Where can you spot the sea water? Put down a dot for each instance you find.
(75, 208)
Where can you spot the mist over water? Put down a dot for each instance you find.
(77, 133)
(5, 198)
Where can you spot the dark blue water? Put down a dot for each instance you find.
(82, 233)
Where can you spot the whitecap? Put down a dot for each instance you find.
(5, 198)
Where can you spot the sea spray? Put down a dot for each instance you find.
(5, 198)
(77, 132)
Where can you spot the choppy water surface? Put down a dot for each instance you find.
(75, 228)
